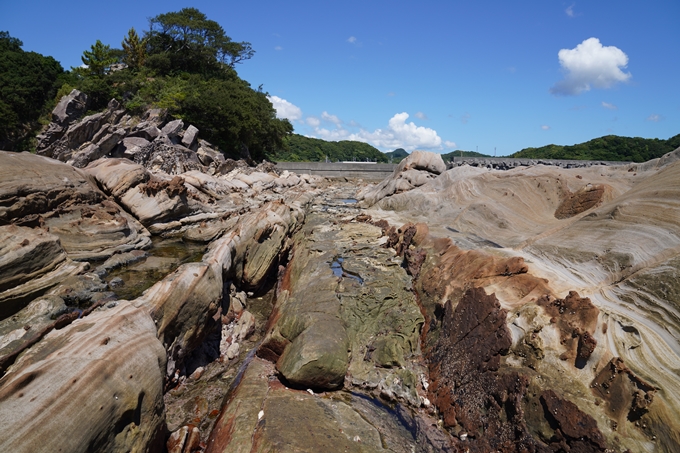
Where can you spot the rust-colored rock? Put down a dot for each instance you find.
(585, 198)
(627, 395)
(465, 385)
(576, 318)
(574, 429)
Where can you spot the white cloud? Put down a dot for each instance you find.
(285, 109)
(398, 134)
(352, 40)
(570, 10)
(545, 127)
(609, 106)
(331, 118)
(421, 115)
(654, 117)
(278, 48)
(313, 121)
(450, 144)
(590, 64)
(391, 94)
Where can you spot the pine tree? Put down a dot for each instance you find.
(134, 50)
(99, 59)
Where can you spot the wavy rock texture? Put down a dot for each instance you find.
(94, 386)
(31, 262)
(36, 191)
(600, 258)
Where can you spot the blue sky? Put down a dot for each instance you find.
(493, 76)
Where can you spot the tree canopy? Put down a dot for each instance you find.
(298, 148)
(187, 40)
(134, 50)
(608, 148)
(27, 82)
(98, 59)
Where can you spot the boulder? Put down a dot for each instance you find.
(189, 139)
(93, 386)
(173, 128)
(31, 262)
(37, 191)
(80, 133)
(167, 157)
(181, 305)
(31, 185)
(414, 171)
(157, 201)
(145, 130)
(70, 108)
(130, 146)
(86, 155)
(117, 176)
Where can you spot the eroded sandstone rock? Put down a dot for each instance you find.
(93, 386)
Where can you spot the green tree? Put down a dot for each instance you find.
(99, 59)
(134, 50)
(230, 114)
(188, 41)
(27, 81)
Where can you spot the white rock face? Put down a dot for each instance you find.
(415, 170)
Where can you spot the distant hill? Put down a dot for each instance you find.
(609, 147)
(305, 149)
(396, 156)
(448, 157)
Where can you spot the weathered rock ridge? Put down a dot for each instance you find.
(459, 310)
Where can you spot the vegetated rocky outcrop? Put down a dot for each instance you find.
(529, 310)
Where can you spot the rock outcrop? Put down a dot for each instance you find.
(93, 386)
(529, 310)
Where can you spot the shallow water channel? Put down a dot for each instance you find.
(164, 256)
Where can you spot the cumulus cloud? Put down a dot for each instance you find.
(450, 144)
(330, 118)
(313, 121)
(654, 117)
(278, 48)
(590, 64)
(609, 106)
(421, 115)
(398, 134)
(545, 127)
(352, 40)
(285, 109)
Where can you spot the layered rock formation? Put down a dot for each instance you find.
(468, 309)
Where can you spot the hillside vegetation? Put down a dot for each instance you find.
(396, 156)
(298, 148)
(448, 157)
(28, 81)
(184, 63)
(609, 147)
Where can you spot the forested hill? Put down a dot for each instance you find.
(28, 81)
(184, 64)
(298, 148)
(448, 157)
(609, 147)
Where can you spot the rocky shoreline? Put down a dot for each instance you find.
(460, 310)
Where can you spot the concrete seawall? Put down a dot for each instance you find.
(366, 171)
(369, 171)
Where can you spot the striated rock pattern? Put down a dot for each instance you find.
(530, 310)
(99, 378)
